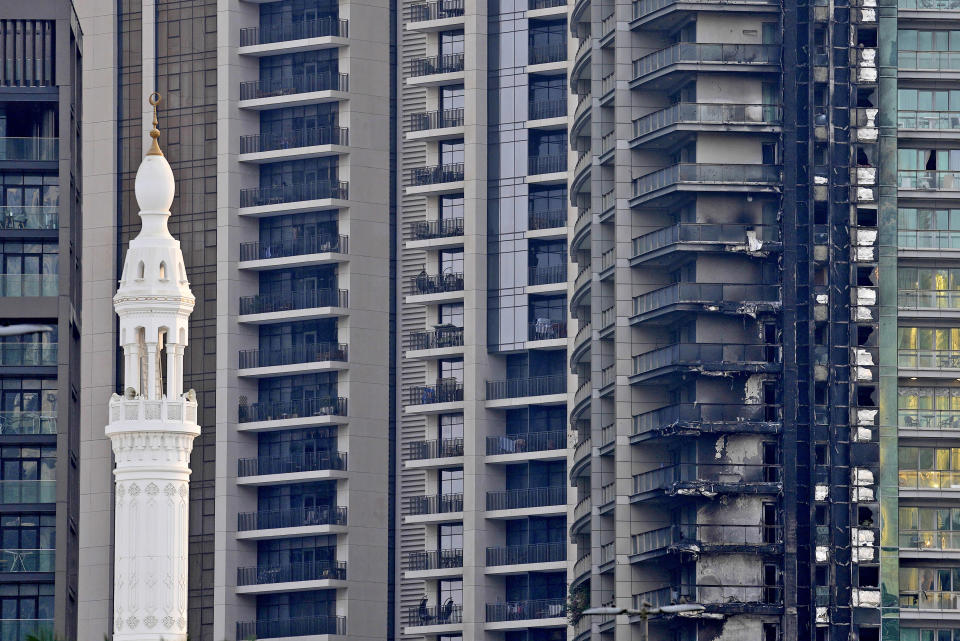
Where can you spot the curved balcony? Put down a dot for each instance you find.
(293, 517)
(526, 387)
(668, 127)
(580, 70)
(29, 217)
(522, 499)
(28, 354)
(301, 355)
(433, 120)
(433, 65)
(292, 301)
(581, 287)
(526, 610)
(581, 514)
(582, 170)
(435, 504)
(527, 442)
(292, 572)
(434, 229)
(23, 560)
(718, 598)
(925, 180)
(706, 480)
(434, 449)
(290, 247)
(440, 10)
(447, 614)
(293, 85)
(435, 560)
(669, 245)
(582, 454)
(581, 400)
(582, 344)
(275, 195)
(697, 539)
(287, 31)
(581, 116)
(547, 109)
(668, 68)
(546, 54)
(295, 409)
(27, 422)
(582, 569)
(295, 145)
(291, 627)
(661, 187)
(441, 337)
(666, 304)
(665, 14)
(29, 149)
(581, 229)
(693, 419)
(683, 358)
(292, 464)
(450, 391)
(524, 554)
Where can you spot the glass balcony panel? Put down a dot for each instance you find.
(37, 217)
(29, 149)
(21, 285)
(28, 354)
(30, 491)
(19, 560)
(25, 422)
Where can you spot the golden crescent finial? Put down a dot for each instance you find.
(154, 100)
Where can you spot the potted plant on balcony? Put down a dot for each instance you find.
(578, 600)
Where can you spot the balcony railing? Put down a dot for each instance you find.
(32, 491)
(295, 139)
(930, 539)
(532, 553)
(731, 355)
(293, 517)
(437, 448)
(424, 283)
(17, 629)
(929, 419)
(930, 600)
(929, 479)
(928, 60)
(699, 413)
(543, 54)
(446, 336)
(547, 275)
(929, 358)
(441, 119)
(33, 217)
(525, 610)
(707, 113)
(929, 5)
(428, 229)
(286, 31)
(716, 473)
(546, 219)
(708, 174)
(928, 299)
(546, 330)
(442, 392)
(292, 627)
(27, 149)
(20, 285)
(447, 63)
(292, 85)
(547, 164)
(302, 408)
(436, 10)
(703, 233)
(21, 560)
(435, 560)
(702, 53)
(315, 353)
(713, 596)
(526, 498)
(316, 571)
(307, 462)
(435, 504)
(529, 442)
(521, 387)
(28, 354)
(928, 180)
(27, 422)
(313, 244)
(543, 109)
(728, 535)
(546, 4)
(280, 194)
(436, 174)
(645, 7)
(291, 301)
(447, 614)
(704, 293)
(928, 120)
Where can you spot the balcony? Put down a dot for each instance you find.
(293, 85)
(28, 354)
(526, 498)
(707, 480)
(668, 245)
(27, 491)
(718, 599)
(945, 539)
(435, 504)
(527, 610)
(547, 109)
(537, 220)
(666, 13)
(447, 391)
(928, 299)
(692, 419)
(423, 11)
(291, 627)
(432, 65)
(695, 177)
(298, 192)
(928, 479)
(287, 410)
(546, 54)
(436, 175)
(306, 246)
(435, 560)
(19, 629)
(292, 301)
(705, 358)
(434, 229)
(544, 329)
(29, 217)
(523, 554)
(700, 538)
(292, 464)
(928, 239)
(21, 560)
(439, 338)
(526, 387)
(547, 275)
(928, 180)
(25, 285)
(926, 61)
(545, 4)
(930, 600)
(547, 164)
(928, 5)
(434, 449)
(665, 304)
(316, 353)
(295, 145)
(293, 517)
(27, 422)
(929, 419)
(928, 359)
(424, 284)
(668, 126)
(29, 149)
(293, 572)
(287, 31)
(666, 68)
(447, 614)
(528, 442)
(931, 120)
(440, 119)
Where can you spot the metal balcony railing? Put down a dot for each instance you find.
(546, 219)
(525, 610)
(424, 283)
(436, 174)
(547, 164)
(645, 7)
(292, 85)
(435, 560)
(21, 285)
(522, 387)
(437, 448)
(703, 535)
(542, 109)
(928, 239)
(318, 352)
(291, 301)
(928, 299)
(295, 139)
(27, 422)
(528, 442)
(928, 180)
(22, 560)
(929, 5)
(33, 217)
(435, 504)
(547, 274)
(302, 408)
(734, 233)
(313, 244)
(316, 571)
(713, 595)
(929, 419)
(280, 194)
(928, 120)
(293, 463)
(929, 358)
(450, 391)
(526, 498)
(708, 174)
(930, 539)
(704, 293)
(288, 30)
(428, 229)
(447, 63)
(699, 413)
(928, 60)
(707, 113)
(731, 355)
(704, 53)
(720, 473)
(30, 491)
(447, 614)
(930, 600)
(445, 336)
(436, 10)
(543, 54)
(546, 4)
(291, 627)
(440, 119)
(544, 329)
(28, 354)
(929, 479)
(532, 553)
(29, 149)
(293, 517)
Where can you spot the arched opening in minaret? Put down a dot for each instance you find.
(140, 270)
(161, 359)
(163, 271)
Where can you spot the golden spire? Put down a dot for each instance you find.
(154, 100)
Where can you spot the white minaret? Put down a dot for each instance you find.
(152, 426)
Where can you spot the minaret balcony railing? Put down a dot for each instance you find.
(436, 174)
(526, 610)
(312, 244)
(522, 387)
(29, 149)
(299, 408)
(692, 113)
(27, 422)
(293, 300)
(928, 180)
(292, 517)
(704, 234)
(706, 175)
(700, 415)
(425, 284)
(430, 65)
(547, 274)
(280, 194)
(430, 229)
(547, 164)
(315, 353)
(316, 571)
(444, 391)
(928, 358)
(292, 627)
(527, 442)
(295, 139)
(547, 53)
(29, 217)
(27, 491)
(292, 85)
(148, 411)
(436, 448)
(531, 553)
(435, 504)
(543, 109)
(439, 338)
(21, 560)
(526, 498)
(422, 11)
(435, 560)
(740, 297)
(728, 477)
(546, 329)
(929, 419)
(291, 464)
(446, 614)
(929, 120)
(711, 55)
(928, 60)
(440, 119)
(551, 219)
(285, 31)
(23, 285)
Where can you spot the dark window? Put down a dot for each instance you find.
(450, 536)
(296, 605)
(451, 97)
(451, 42)
(451, 207)
(306, 387)
(451, 152)
(451, 426)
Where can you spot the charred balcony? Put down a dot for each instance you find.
(693, 419)
(665, 247)
(718, 598)
(692, 539)
(664, 305)
(705, 358)
(706, 480)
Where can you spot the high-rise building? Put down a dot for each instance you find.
(40, 317)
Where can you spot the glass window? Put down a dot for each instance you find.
(451, 368)
(451, 42)
(451, 207)
(451, 590)
(296, 605)
(451, 481)
(450, 536)
(451, 97)
(450, 314)
(451, 426)
(451, 152)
